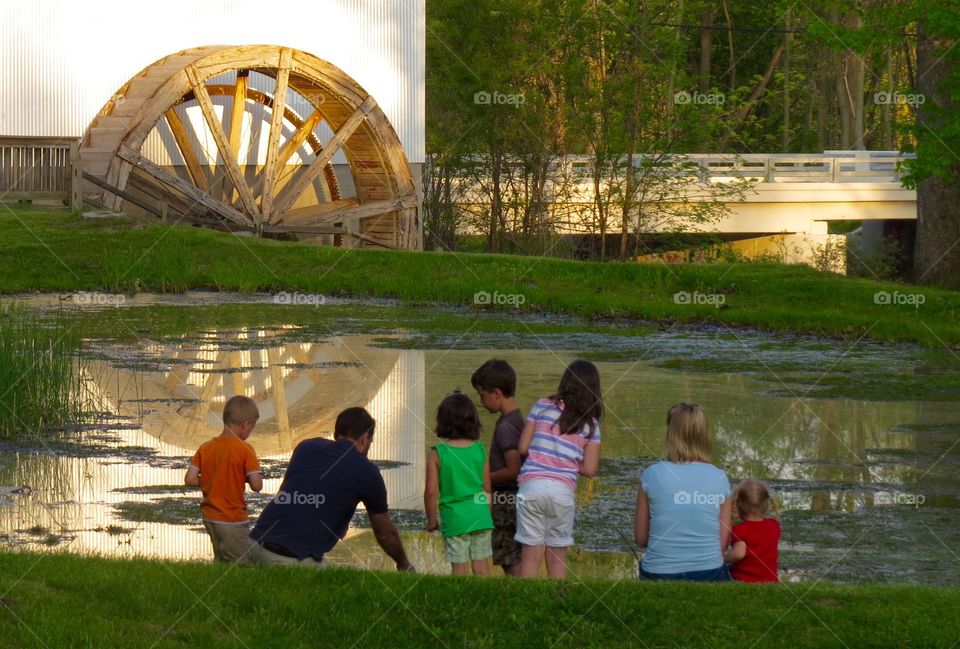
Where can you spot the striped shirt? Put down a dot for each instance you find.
(553, 456)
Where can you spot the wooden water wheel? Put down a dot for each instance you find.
(288, 184)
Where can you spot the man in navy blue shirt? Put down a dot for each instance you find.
(324, 483)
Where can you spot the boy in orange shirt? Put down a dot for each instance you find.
(221, 468)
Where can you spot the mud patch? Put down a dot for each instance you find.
(173, 511)
(155, 489)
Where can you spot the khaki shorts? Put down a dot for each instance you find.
(229, 541)
(506, 550)
(260, 556)
(474, 546)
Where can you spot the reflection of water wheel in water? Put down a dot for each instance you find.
(234, 137)
(299, 388)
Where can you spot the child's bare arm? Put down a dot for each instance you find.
(591, 460)
(735, 552)
(255, 480)
(487, 488)
(726, 512)
(526, 436)
(641, 519)
(431, 491)
(509, 472)
(192, 477)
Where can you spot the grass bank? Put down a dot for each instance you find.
(67, 601)
(59, 252)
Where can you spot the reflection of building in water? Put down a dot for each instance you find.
(399, 410)
(299, 389)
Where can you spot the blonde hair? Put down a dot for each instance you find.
(239, 409)
(753, 497)
(688, 434)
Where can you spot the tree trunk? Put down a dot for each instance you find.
(706, 44)
(850, 82)
(733, 59)
(887, 111)
(625, 208)
(786, 83)
(496, 206)
(755, 96)
(937, 250)
(857, 97)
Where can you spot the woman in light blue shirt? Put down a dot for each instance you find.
(683, 505)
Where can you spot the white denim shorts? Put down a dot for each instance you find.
(545, 510)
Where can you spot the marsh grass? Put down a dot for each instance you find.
(40, 388)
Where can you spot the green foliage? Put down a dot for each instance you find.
(882, 261)
(936, 132)
(602, 80)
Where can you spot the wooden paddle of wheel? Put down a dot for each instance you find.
(269, 198)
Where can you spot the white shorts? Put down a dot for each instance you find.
(545, 511)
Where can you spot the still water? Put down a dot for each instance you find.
(868, 489)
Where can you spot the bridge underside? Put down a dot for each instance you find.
(808, 207)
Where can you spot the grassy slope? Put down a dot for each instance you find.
(66, 601)
(59, 252)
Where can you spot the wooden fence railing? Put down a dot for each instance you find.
(42, 169)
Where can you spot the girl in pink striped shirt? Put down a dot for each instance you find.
(561, 441)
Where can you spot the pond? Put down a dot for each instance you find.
(868, 484)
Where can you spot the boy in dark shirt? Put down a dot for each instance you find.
(496, 383)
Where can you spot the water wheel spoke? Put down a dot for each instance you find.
(236, 124)
(178, 183)
(223, 144)
(199, 174)
(289, 148)
(291, 192)
(276, 129)
(344, 210)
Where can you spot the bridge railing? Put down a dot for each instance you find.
(569, 179)
(40, 169)
(828, 167)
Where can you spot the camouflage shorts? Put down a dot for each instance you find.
(506, 551)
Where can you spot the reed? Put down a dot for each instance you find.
(40, 389)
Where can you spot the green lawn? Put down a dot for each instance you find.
(46, 251)
(68, 601)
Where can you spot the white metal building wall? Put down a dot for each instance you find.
(61, 60)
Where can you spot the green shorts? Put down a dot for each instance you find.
(474, 546)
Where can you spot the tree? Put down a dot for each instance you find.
(936, 172)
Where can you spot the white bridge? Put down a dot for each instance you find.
(801, 193)
(792, 196)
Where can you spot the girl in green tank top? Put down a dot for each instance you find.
(458, 487)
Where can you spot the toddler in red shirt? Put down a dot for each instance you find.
(753, 542)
